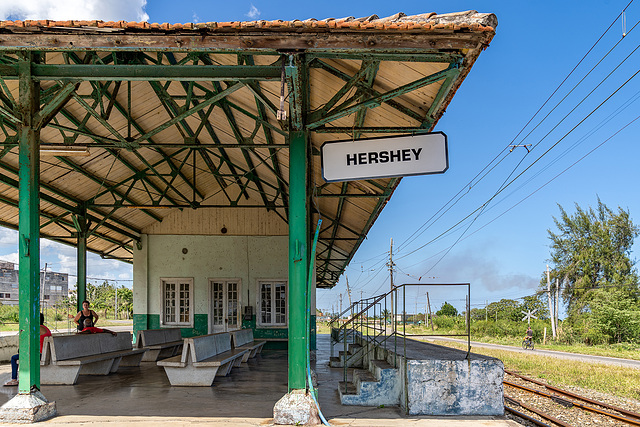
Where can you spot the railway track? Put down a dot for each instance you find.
(553, 406)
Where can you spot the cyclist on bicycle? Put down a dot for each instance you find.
(529, 336)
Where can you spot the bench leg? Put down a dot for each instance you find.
(97, 368)
(245, 357)
(239, 360)
(133, 360)
(115, 365)
(51, 374)
(226, 368)
(151, 356)
(190, 376)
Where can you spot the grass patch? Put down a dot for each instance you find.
(614, 380)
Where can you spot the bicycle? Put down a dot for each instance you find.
(527, 343)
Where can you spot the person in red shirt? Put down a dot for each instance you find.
(44, 332)
(90, 329)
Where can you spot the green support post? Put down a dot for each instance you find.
(29, 231)
(298, 259)
(81, 284)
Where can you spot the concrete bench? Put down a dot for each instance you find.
(64, 357)
(159, 343)
(243, 339)
(202, 358)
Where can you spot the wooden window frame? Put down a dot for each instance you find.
(163, 282)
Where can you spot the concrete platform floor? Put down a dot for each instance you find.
(142, 397)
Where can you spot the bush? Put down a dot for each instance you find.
(447, 322)
(9, 314)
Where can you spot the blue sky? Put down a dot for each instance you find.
(503, 251)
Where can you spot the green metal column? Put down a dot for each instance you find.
(29, 230)
(298, 259)
(81, 285)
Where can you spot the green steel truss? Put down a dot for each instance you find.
(170, 174)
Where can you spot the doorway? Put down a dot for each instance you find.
(224, 305)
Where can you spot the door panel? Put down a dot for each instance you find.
(224, 306)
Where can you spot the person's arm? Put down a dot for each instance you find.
(83, 332)
(77, 318)
(109, 332)
(95, 317)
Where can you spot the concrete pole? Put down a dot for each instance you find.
(550, 300)
(393, 318)
(298, 262)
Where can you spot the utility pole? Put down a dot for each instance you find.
(42, 283)
(550, 299)
(116, 313)
(557, 302)
(486, 311)
(430, 316)
(391, 264)
(340, 304)
(426, 322)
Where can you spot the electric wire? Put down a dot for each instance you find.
(538, 159)
(406, 242)
(542, 186)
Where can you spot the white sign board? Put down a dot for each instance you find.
(385, 157)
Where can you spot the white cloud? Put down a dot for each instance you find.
(253, 12)
(195, 17)
(12, 257)
(8, 236)
(112, 10)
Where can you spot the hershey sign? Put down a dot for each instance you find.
(385, 157)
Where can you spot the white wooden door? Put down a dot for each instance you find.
(224, 305)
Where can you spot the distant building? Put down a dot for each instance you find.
(56, 285)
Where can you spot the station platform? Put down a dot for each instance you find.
(142, 397)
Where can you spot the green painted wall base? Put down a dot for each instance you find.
(152, 321)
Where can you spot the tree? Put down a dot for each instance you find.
(591, 250)
(125, 301)
(535, 302)
(616, 315)
(505, 309)
(447, 310)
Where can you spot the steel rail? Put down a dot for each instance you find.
(579, 405)
(525, 416)
(537, 412)
(576, 396)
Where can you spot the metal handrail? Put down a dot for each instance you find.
(357, 324)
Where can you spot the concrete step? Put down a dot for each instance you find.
(381, 386)
(354, 357)
(380, 367)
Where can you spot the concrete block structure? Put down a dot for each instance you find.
(429, 380)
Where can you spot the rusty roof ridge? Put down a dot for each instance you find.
(399, 21)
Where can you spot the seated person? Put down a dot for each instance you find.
(90, 329)
(44, 332)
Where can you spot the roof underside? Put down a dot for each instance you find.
(181, 117)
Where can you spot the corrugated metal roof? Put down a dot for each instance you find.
(223, 167)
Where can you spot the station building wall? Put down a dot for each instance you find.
(168, 267)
